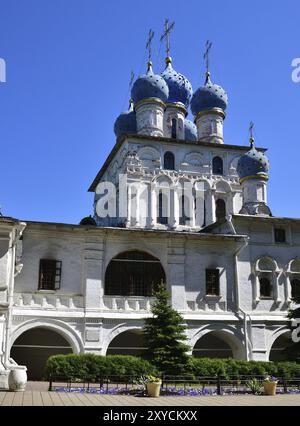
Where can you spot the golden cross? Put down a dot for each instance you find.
(166, 35)
(208, 47)
(251, 133)
(149, 44)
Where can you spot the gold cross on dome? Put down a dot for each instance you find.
(166, 35)
(149, 44)
(208, 47)
(251, 133)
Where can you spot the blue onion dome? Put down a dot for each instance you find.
(150, 86)
(126, 122)
(180, 89)
(190, 131)
(88, 221)
(254, 164)
(208, 97)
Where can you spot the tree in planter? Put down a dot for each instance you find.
(293, 352)
(165, 334)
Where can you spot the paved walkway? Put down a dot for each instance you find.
(37, 395)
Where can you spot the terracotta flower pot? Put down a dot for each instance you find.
(270, 388)
(153, 389)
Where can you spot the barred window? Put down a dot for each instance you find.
(50, 274)
(133, 274)
(184, 219)
(174, 128)
(295, 289)
(169, 161)
(212, 282)
(163, 208)
(265, 288)
(280, 236)
(218, 168)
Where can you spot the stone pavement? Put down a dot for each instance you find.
(37, 395)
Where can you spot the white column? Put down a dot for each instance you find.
(153, 206)
(256, 289)
(137, 207)
(192, 211)
(276, 287)
(288, 287)
(210, 207)
(129, 206)
(174, 207)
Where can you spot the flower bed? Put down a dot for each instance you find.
(169, 392)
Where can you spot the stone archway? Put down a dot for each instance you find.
(212, 346)
(218, 342)
(129, 342)
(33, 347)
(280, 346)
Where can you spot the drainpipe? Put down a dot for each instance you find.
(239, 310)
(16, 234)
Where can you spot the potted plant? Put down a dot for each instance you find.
(153, 385)
(270, 386)
(255, 386)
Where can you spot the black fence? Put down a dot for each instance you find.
(171, 385)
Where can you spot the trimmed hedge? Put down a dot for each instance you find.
(92, 367)
(228, 367)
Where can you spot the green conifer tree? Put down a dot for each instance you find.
(293, 352)
(165, 336)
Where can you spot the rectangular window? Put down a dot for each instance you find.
(50, 275)
(212, 282)
(280, 236)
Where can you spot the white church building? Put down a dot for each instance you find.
(194, 213)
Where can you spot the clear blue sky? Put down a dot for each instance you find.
(68, 67)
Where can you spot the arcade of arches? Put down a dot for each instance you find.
(26, 352)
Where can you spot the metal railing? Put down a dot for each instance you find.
(171, 385)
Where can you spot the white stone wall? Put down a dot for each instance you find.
(89, 320)
(143, 163)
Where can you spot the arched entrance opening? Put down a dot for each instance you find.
(281, 348)
(35, 346)
(213, 345)
(127, 343)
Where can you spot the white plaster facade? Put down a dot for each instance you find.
(241, 247)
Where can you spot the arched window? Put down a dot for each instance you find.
(133, 273)
(174, 128)
(184, 219)
(162, 209)
(220, 209)
(265, 288)
(218, 166)
(296, 289)
(169, 161)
